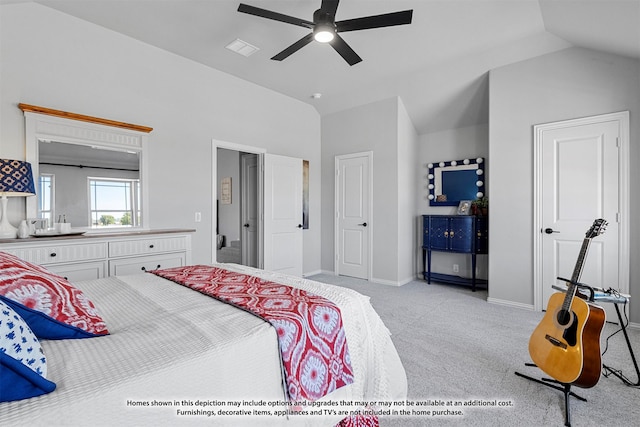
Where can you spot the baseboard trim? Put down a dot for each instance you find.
(387, 282)
(510, 304)
(313, 273)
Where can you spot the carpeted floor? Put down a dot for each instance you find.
(458, 348)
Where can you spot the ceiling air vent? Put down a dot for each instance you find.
(242, 47)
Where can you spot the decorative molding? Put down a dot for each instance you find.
(106, 136)
(83, 118)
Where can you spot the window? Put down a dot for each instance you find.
(114, 202)
(46, 187)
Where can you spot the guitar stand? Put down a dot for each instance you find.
(566, 389)
(563, 387)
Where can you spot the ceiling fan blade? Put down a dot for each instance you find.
(376, 21)
(345, 50)
(330, 6)
(294, 47)
(263, 13)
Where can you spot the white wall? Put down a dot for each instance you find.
(559, 86)
(455, 144)
(54, 60)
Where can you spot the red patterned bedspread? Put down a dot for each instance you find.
(312, 341)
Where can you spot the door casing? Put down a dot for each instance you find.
(368, 216)
(623, 190)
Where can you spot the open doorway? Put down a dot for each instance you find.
(272, 199)
(237, 224)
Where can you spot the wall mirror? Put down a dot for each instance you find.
(89, 187)
(455, 180)
(91, 174)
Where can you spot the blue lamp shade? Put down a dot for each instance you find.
(16, 178)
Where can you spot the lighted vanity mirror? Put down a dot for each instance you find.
(87, 186)
(455, 180)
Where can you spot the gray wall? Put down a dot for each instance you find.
(384, 128)
(463, 143)
(564, 85)
(54, 60)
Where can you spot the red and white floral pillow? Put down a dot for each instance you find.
(51, 306)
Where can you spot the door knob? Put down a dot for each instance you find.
(247, 225)
(364, 224)
(299, 225)
(550, 230)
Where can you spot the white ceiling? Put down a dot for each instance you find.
(438, 65)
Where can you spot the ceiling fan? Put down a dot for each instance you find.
(325, 29)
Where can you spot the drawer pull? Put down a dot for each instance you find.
(53, 254)
(145, 269)
(150, 246)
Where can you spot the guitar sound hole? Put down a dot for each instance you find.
(564, 317)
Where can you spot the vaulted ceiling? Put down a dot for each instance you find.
(438, 64)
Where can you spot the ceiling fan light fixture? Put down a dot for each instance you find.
(324, 33)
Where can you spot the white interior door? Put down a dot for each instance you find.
(579, 177)
(250, 220)
(283, 214)
(353, 215)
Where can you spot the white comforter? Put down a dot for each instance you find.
(171, 344)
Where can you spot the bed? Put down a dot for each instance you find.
(175, 356)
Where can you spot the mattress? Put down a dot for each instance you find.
(177, 357)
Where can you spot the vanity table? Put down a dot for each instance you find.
(93, 256)
(458, 234)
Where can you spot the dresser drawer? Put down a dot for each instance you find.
(57, 254)
(81, 271)
(120, 267)
(124, 248)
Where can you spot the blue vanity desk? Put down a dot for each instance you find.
(454, 233)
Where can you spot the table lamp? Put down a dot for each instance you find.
(16, 179)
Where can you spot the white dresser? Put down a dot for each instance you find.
(92, 256)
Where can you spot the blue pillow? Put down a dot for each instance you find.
(23, 366)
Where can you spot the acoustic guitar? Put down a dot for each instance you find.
(566, 343)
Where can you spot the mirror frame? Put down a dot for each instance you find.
(435, 178)
(44, 123)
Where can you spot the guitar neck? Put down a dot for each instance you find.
(577, 272)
